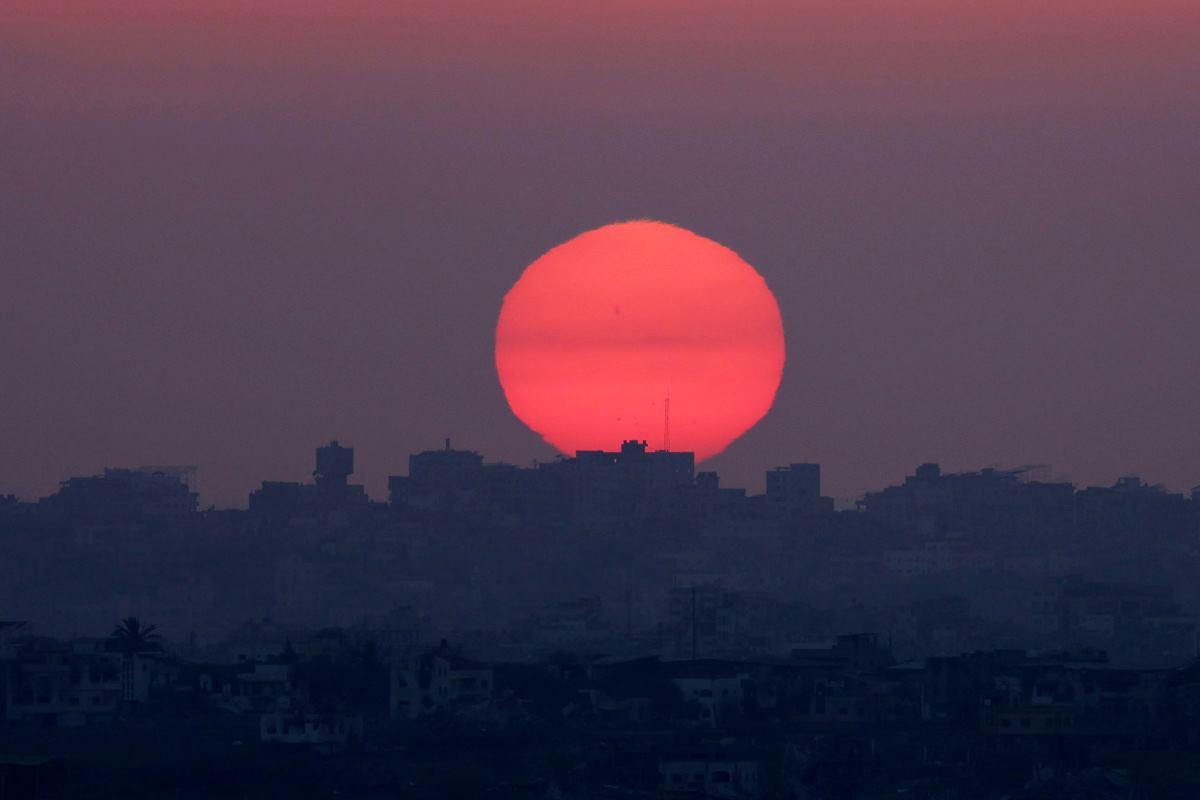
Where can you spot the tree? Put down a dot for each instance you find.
(132, 637)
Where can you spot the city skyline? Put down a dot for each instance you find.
(229, 232)
(299, 474)
(676, 399)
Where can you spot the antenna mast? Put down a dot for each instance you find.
(667, 423)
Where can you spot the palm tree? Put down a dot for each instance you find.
(132, 637)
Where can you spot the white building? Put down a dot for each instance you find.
(720, 778)
(436, 680)
(309, 728)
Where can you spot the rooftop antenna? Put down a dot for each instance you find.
(667, 422)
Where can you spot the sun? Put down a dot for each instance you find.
(640, 330)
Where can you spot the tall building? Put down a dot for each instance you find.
(335, 464)
(444, 470)
(442, 478)
(632, 480)
(795, 488)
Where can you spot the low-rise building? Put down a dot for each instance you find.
(728, 777)
(440, 678)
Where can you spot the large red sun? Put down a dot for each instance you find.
(599, 332)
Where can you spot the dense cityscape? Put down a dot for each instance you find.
(614, 624)
(917, 278)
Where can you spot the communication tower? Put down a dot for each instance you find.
(667, 423)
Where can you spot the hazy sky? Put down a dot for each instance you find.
(232, 230)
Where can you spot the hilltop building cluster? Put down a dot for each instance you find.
(618, 610)
(629, 549)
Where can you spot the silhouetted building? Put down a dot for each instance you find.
(595, 483)
(1132, 510)
(123, 497)
(992, 505)
(281, 501)
(796, 489)
(335, 464)
(444, 470)
(438, 479)
(630, 481)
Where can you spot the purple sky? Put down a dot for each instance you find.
(226, 236)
